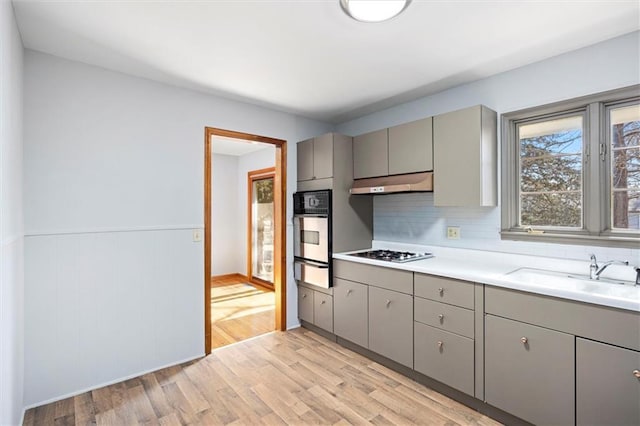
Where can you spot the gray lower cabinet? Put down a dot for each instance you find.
(391, 325)
(305, 304)
(316, 308)
(323, 311)
(350, 307)
(530, 371)
(607, 384)
(444, 356)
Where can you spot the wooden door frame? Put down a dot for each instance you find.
(252, 176)
(280, 208)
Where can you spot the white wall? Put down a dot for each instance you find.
(113, 188)
(11, 223)
(412, 218)
(255, 161)
(225, 223)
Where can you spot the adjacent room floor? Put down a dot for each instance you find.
(239, 311)
(294, 377)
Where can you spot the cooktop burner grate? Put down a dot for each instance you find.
(392, 255)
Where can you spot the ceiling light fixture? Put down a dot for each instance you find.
(373, 10)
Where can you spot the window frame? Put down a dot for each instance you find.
(596, 156)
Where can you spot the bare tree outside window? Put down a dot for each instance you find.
(551, 172)
(625, 167)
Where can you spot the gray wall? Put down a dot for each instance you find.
(412, 218)
(11, 226)
(113, 188)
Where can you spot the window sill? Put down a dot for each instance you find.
(618, 241)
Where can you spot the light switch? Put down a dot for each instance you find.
(197, 235)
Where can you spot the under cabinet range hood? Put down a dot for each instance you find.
(414, 182)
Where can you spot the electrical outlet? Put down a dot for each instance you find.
(197, 235)
(453, 232)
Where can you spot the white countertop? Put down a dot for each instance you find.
(492, 268)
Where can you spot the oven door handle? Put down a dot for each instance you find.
(313, 263)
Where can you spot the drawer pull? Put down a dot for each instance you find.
(441, 317)
(349, 292)
(323, 302)
(388, 302)
(304, 296)
(524, 340)
(440, 344)
(441, 291)
(636, 373)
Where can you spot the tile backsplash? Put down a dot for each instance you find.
(412, 218)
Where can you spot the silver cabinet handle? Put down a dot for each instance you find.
(304, 296)
(636, 373)
(388, 303)
(440, 344)
(349, 292)
(524, 340)
(323, 302)
(441, 317)
(441, 291)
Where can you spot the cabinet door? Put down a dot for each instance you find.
(391, 325)
(530, 371)
(350, 311)
(411, 147)
(305, 160)
(323, 156)
(371, 155)
(445, 357)
(305, 304)
(323, 311)
(464, 158)
(607, 389)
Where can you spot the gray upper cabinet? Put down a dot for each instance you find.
(350, 311)
(411, 147)
(391, 325)
(465, 158)
(530, 371)
(607, 384)
(315, 158)
(323, 156)
(305, 160)
(371, 154)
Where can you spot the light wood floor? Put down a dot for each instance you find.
(239, 311)
(294, 377)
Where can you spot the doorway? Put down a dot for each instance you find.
(278, 233)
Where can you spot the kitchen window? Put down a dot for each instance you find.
(571, 171)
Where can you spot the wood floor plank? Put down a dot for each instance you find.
(295, 377)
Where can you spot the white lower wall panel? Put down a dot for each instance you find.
(104, 306)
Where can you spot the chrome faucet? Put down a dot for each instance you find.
(595, 270)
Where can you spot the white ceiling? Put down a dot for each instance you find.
(237, 147)
(306, 56)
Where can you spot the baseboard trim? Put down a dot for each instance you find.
(111, 382)
(235, 276)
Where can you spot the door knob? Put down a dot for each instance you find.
(388, 303)
(441, 291)
(636, 373)
(524, 340)
(441, 317)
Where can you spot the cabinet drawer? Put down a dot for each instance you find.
(530, 371)
(447, 317)
(391, 279)
(305, 304)
(350, 311)
(604, 324)
(607, 390)
(391, 325)
(444, 356)
(323, 311)
(453, 292)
